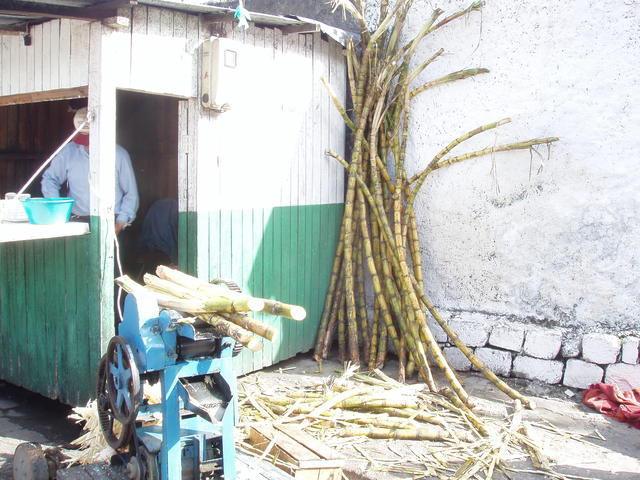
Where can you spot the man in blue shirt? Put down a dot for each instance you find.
(71, 165)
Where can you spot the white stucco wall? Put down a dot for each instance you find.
(561, 247)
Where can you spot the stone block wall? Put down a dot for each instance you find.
(549, 355)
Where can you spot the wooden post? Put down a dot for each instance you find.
(102, 158)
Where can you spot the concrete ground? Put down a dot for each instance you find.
(577, 447)
(29, 417)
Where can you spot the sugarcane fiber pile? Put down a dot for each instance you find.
(222, 305)
(379, 247)
(352, 412)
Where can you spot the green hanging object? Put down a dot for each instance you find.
(243, 16)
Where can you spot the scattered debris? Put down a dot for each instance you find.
(91, 446)
(343, 411)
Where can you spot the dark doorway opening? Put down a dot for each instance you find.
(147, 127)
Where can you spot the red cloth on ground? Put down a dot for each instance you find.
(610, 400)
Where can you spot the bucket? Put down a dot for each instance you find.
(48, 211)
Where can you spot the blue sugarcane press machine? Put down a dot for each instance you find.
(187, 431)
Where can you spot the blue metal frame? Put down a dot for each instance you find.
(152, 335)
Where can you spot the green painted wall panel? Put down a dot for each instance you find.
(188, 241)
(51, 330)
(282, 253)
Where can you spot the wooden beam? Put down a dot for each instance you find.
(117, 23)
(304, 28)
(217, 17)
(44, 96)
(9, 30)
(111, 6)
(59, 12)
(34, 9)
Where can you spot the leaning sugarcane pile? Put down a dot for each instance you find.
(378, 240)
(218, 305)
(348, 410)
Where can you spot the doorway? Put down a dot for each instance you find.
(147, 127)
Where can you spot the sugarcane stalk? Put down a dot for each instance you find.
(419, 178)
(410, 413)
(402, 359)
(411, 368)
(174, 281)
(499, 148)
(252, 325)
(348, 232)
(285, 401)
(294, 312)
(461, 13)
(384, 422)
(373, 346)
(475, 361)
(332, 326)
(414, 249)
(171, 288)
(336, 103)
(331, 291)
(466, 411)
(163, 300)
(131, 286)
(363, 315)
(342, 330)
(368, 403)
(433, 434)
(382, 347)
(228, 329)
(452, 77)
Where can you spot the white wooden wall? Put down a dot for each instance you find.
(268, 150)
(58, 57)
(157, 54)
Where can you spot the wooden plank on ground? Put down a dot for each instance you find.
(252, 468)
(316, 446)
(301, 453)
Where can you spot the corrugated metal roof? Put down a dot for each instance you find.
(17, 15)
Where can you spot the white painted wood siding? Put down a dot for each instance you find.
(57, 58)
(155, 55)
(268, 150)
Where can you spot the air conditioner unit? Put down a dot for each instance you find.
(222, 61)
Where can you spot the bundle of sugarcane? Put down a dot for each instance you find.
(378, 241)
(215, 304)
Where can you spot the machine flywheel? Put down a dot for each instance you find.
(116, 434)
(123, 380)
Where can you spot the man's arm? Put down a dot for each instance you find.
(54, 176)
(127, 185)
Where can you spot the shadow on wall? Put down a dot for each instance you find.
(280, 253)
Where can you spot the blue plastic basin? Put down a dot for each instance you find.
(48, 211)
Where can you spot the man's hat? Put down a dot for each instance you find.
(79, 117)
